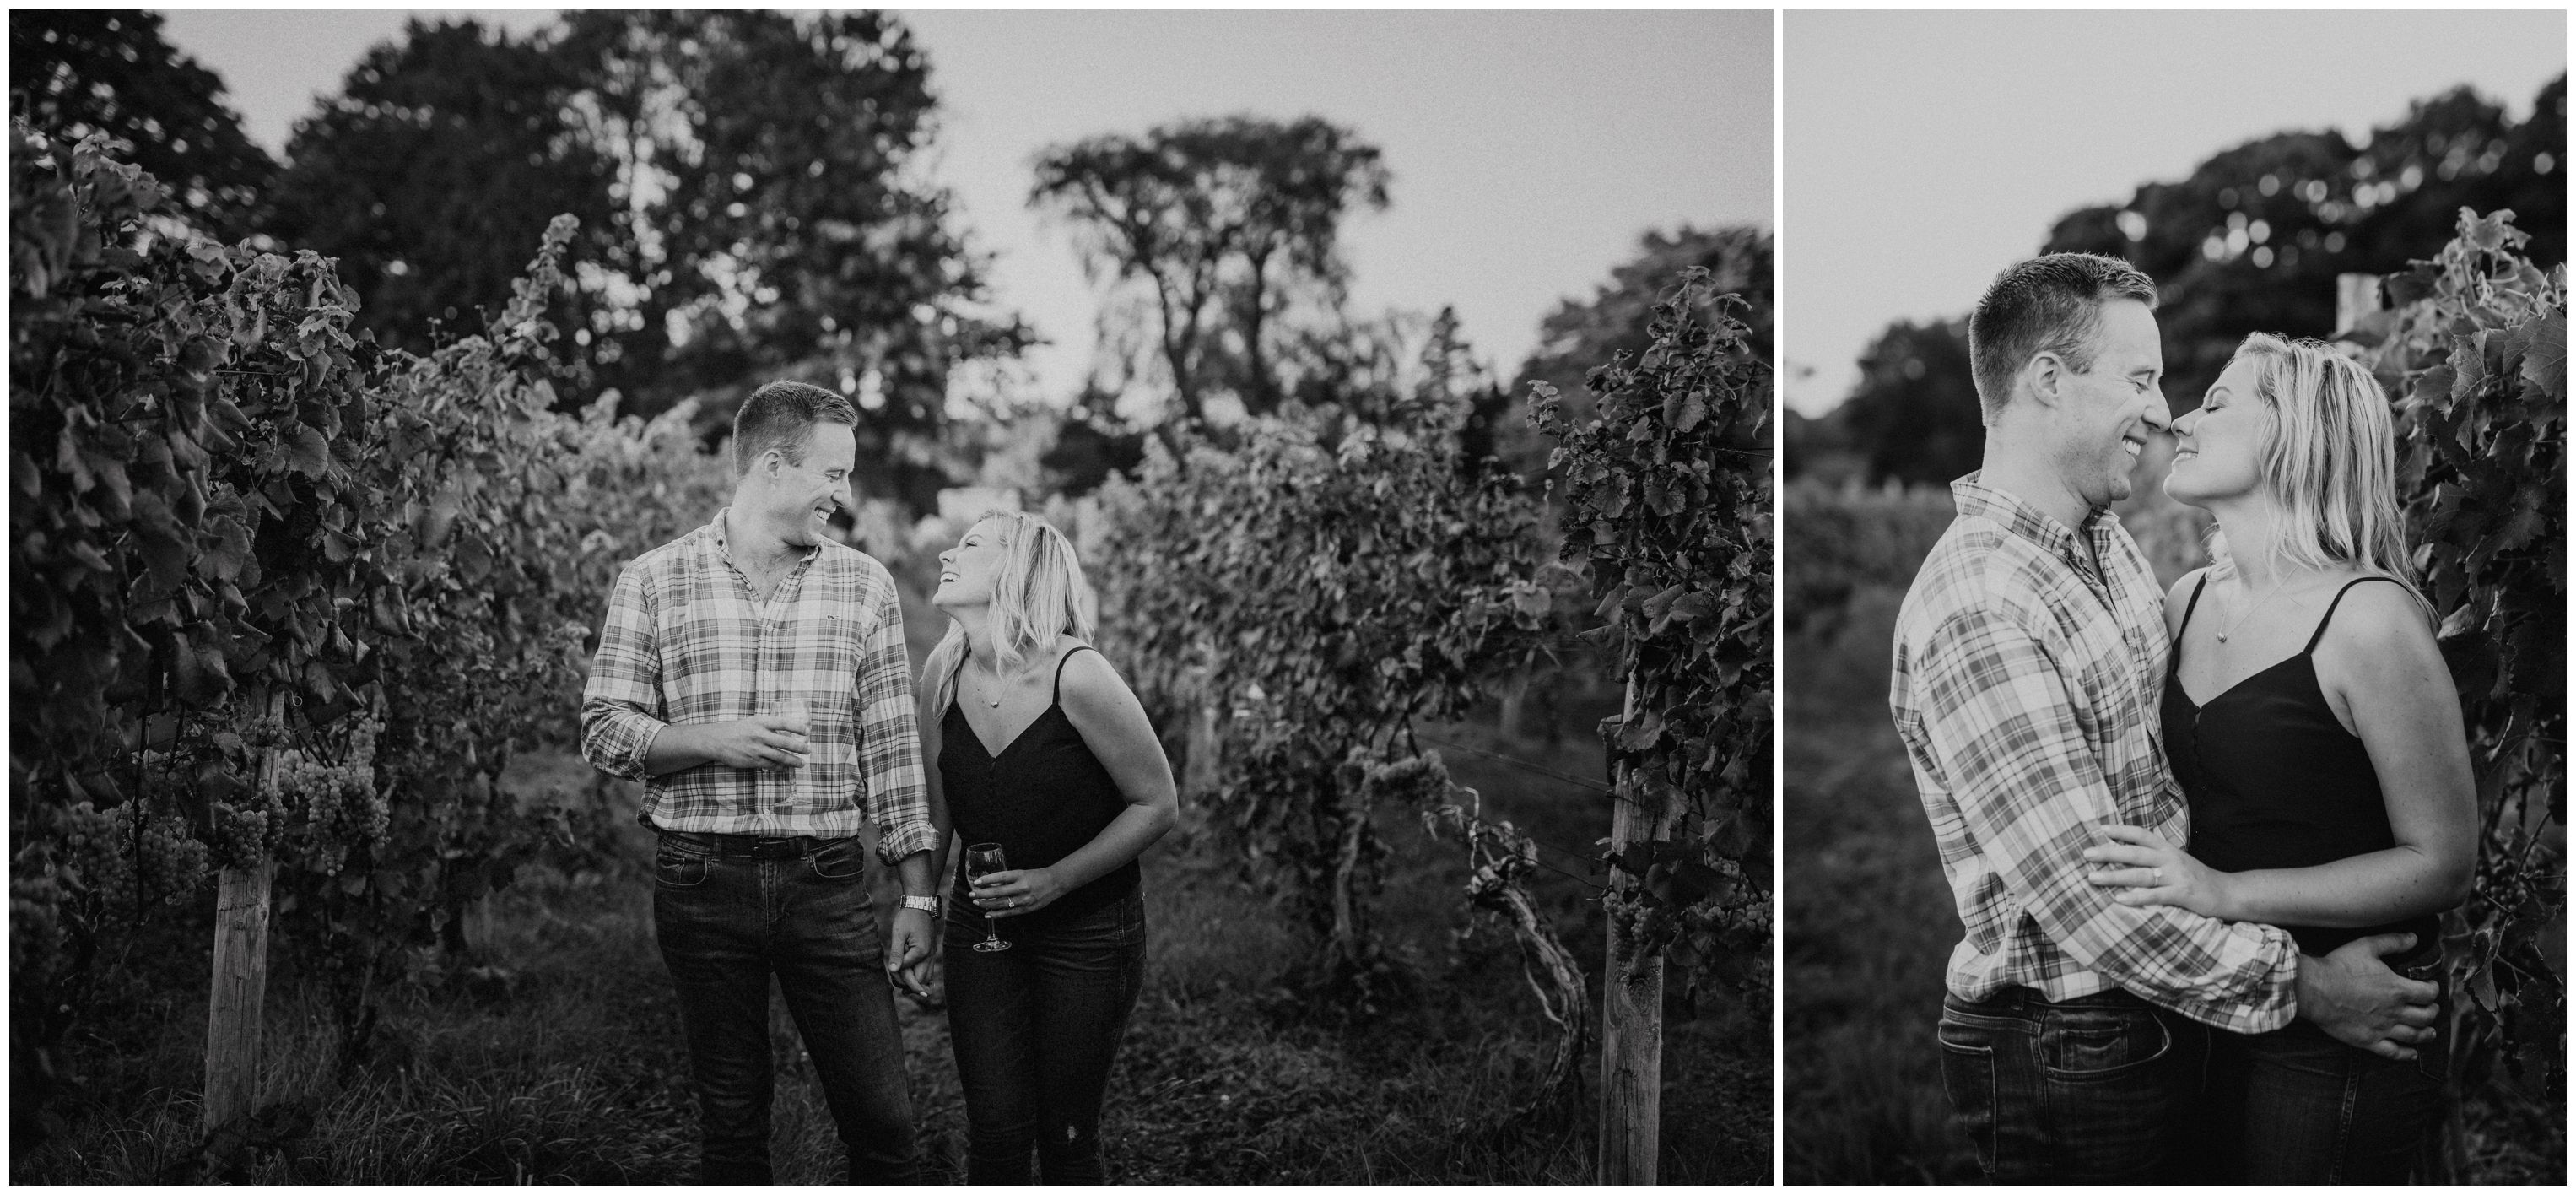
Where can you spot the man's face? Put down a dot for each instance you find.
(2107, 412)
(806, 494)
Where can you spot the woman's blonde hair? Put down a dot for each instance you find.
(1038, 595)
(2329, 460)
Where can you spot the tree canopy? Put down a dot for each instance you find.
(78, 72)
(2252, 240)
(750, 187)
(1225, 232)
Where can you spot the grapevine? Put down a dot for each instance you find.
(227, 499)
(2474, 353)
(1668, 504)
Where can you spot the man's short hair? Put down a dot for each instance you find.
(2049, 304)
(782, 415)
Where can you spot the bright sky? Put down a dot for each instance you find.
(1529, 150)
(1926, 151)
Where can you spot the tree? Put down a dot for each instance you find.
(1231, 224)
(1915, 414)
(75, 72)
(756, 182)
(1583, 335)
(2254, 239)
(442, 159)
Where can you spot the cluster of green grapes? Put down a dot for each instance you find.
(35, 914)
(248, 835)
(258, 731)
(1643, 922)
(127, 857)
(97, 845)
(341, 803)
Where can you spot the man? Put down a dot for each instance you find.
(753, 674)
(2029, 657)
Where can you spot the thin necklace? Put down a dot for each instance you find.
(994, 702)
(2239, 624)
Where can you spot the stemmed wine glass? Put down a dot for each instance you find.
(983, 859)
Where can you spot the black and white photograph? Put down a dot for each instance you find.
(2174, 551)
(739, 596)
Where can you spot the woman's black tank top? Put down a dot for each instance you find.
(1042, 798)
(2274, 780)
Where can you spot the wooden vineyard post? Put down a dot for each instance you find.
(240, 988)
(1632, 1016)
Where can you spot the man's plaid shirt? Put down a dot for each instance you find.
(683, 643)
(2025, 688)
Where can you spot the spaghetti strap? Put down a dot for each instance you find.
(2320, 636)
(2192, 605)
(1060, 662)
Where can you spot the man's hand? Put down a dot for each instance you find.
(2358, 1001)
(762, 741)
(908, 946)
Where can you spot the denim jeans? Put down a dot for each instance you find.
(2297, 1106)
(2098, 1088)
(1036, 1028)
(728, 921)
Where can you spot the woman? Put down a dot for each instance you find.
(2315, 732)
(1041, 748)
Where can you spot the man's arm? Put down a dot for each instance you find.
(621, 702)
(2000, 721)
(890, 776)
(622, 729)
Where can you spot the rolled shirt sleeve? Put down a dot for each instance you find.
(621, 703)
(1999, 719)
(896, 798)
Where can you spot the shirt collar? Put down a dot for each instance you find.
(1972, 496)
(716, 534)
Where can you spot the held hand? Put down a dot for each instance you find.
(908, 946)
(1017, 893)
(2147, 870)
(2358, 1001)
(759, 742)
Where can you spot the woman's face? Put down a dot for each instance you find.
(2218, 449)
(966, 572)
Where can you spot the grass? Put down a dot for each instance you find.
(1869, 922)
(557, 1057)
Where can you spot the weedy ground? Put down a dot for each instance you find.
(554, 1053)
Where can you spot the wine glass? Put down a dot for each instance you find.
(983, 859)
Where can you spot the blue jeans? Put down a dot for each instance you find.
(2094, 1089)
(1036, 1028)
(731, 912)
(2297, 1106)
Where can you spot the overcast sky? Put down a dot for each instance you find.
(1530, 150)
(1926, 151)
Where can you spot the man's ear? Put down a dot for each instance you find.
(2044, 376)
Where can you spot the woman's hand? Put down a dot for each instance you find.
(2147, 870)
(1016, 893)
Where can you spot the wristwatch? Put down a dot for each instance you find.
(927, 904)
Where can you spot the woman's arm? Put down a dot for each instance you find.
(2380, 668)
(1113, 724)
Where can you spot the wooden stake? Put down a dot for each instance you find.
(240, 988)
(1632, 1018)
